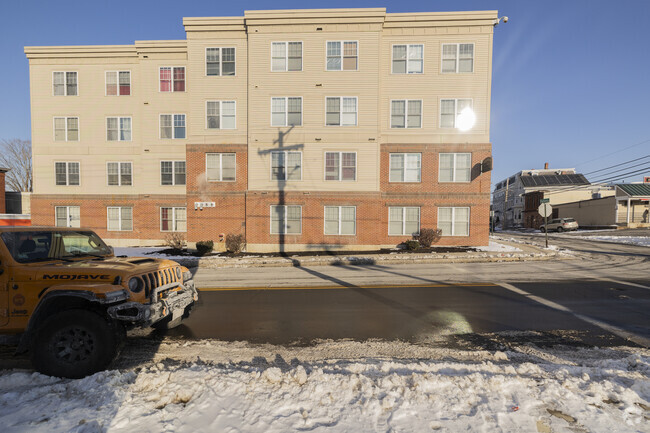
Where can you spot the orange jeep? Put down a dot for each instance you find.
(73, 300)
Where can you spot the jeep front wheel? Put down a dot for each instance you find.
(74, 344)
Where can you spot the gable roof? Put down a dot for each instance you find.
(635, 189)
(553, 180)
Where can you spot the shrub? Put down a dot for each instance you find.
(204, 247)
(412, 244)
(428, 237)
(235, 243)
(175, 241)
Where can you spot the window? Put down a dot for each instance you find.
(172, 126)
(450, 109)
(67, 216)
(340, 220)
(340, 166)
(219, 61)
(455, 167)
(405, 167)
(286, 56)
(403, 221)
(173, 219)
(220, 167)
(172, 79)
(457, 58)
(286, 220)
(119, 173)
(119, 219)
(408, 59)
(221, 115)
(454, 221)
(286, 165)
(66, 173)
(172, 172)
(345, 59)
(64, 83)
(118, 128)
(341, 111)
(66, 129)
(286, 111)
(118, 83)
(406, 113)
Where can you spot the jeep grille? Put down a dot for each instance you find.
(159, 278)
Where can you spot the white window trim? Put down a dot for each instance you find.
(407, 59)
(390, 166)
(65, 83)
(205, 63)
(118, 127)
(173, 127)
(67, 172)
(119, 172)
(340, 179)
(67, 211)
(404, 220)
(454, 167)
(286, 55)
(406, 101)
(118, 81)
(341, 112)
(286, 156)
(173, 220)
(66, 128)
(220, 101)
(121, 229)
(286, 111)
(339, 221)
(172, 78)
(458, 44)
(342, 56)
(285, 220)
(453, 219)
(220, 166)
(455, 111)
(173, 161)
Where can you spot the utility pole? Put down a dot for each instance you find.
(505, 204)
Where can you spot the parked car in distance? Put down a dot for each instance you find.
(560, 225)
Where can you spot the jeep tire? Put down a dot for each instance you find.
(75, 344)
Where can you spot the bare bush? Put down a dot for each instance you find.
(175, 241)
(427, 237)
(235, 243)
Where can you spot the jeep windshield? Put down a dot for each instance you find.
(39, 246)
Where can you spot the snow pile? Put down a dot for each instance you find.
(151, 252)
(338, 396)
(497, 247)
(632, 240)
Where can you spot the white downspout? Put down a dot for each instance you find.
(628, 211)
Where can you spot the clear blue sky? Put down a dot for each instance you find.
(571, 78)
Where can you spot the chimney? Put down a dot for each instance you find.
(546, 166)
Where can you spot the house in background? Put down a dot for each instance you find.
(14, 206)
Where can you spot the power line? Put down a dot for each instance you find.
(615, 152)
(617, 165)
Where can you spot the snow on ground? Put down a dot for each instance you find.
(497, 247)
(145, 252)
(632, 240)
(597, 390)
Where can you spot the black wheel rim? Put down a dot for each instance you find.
(73, 345)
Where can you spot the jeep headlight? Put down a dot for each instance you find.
(136, 285)
(178, 272)
(187, 275)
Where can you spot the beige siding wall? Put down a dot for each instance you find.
(590, 213)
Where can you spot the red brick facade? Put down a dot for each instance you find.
(3, 207)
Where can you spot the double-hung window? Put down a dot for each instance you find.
(286, 165)
(340, 166)
(172, 172)
(286, 220)
(119, 173)
(408, 59)
(172, 78)
(405, 167)
(67, 216)
(453, 221)
(286, 111)
(340, 220)
(450, 109)
(457, 58)
(406, 113)
(66, 173)
(220, 61)
(342, 55)
(172, 126)
(119, 218)
(118, 128)
(66, 129)
(220, 167)
(403, 221)
(341, 111)
(286, 56)
(221, 115)
(118, 83)
(64, 83)
(455, 167)
(173, 219)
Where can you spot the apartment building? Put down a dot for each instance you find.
(301, 129)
